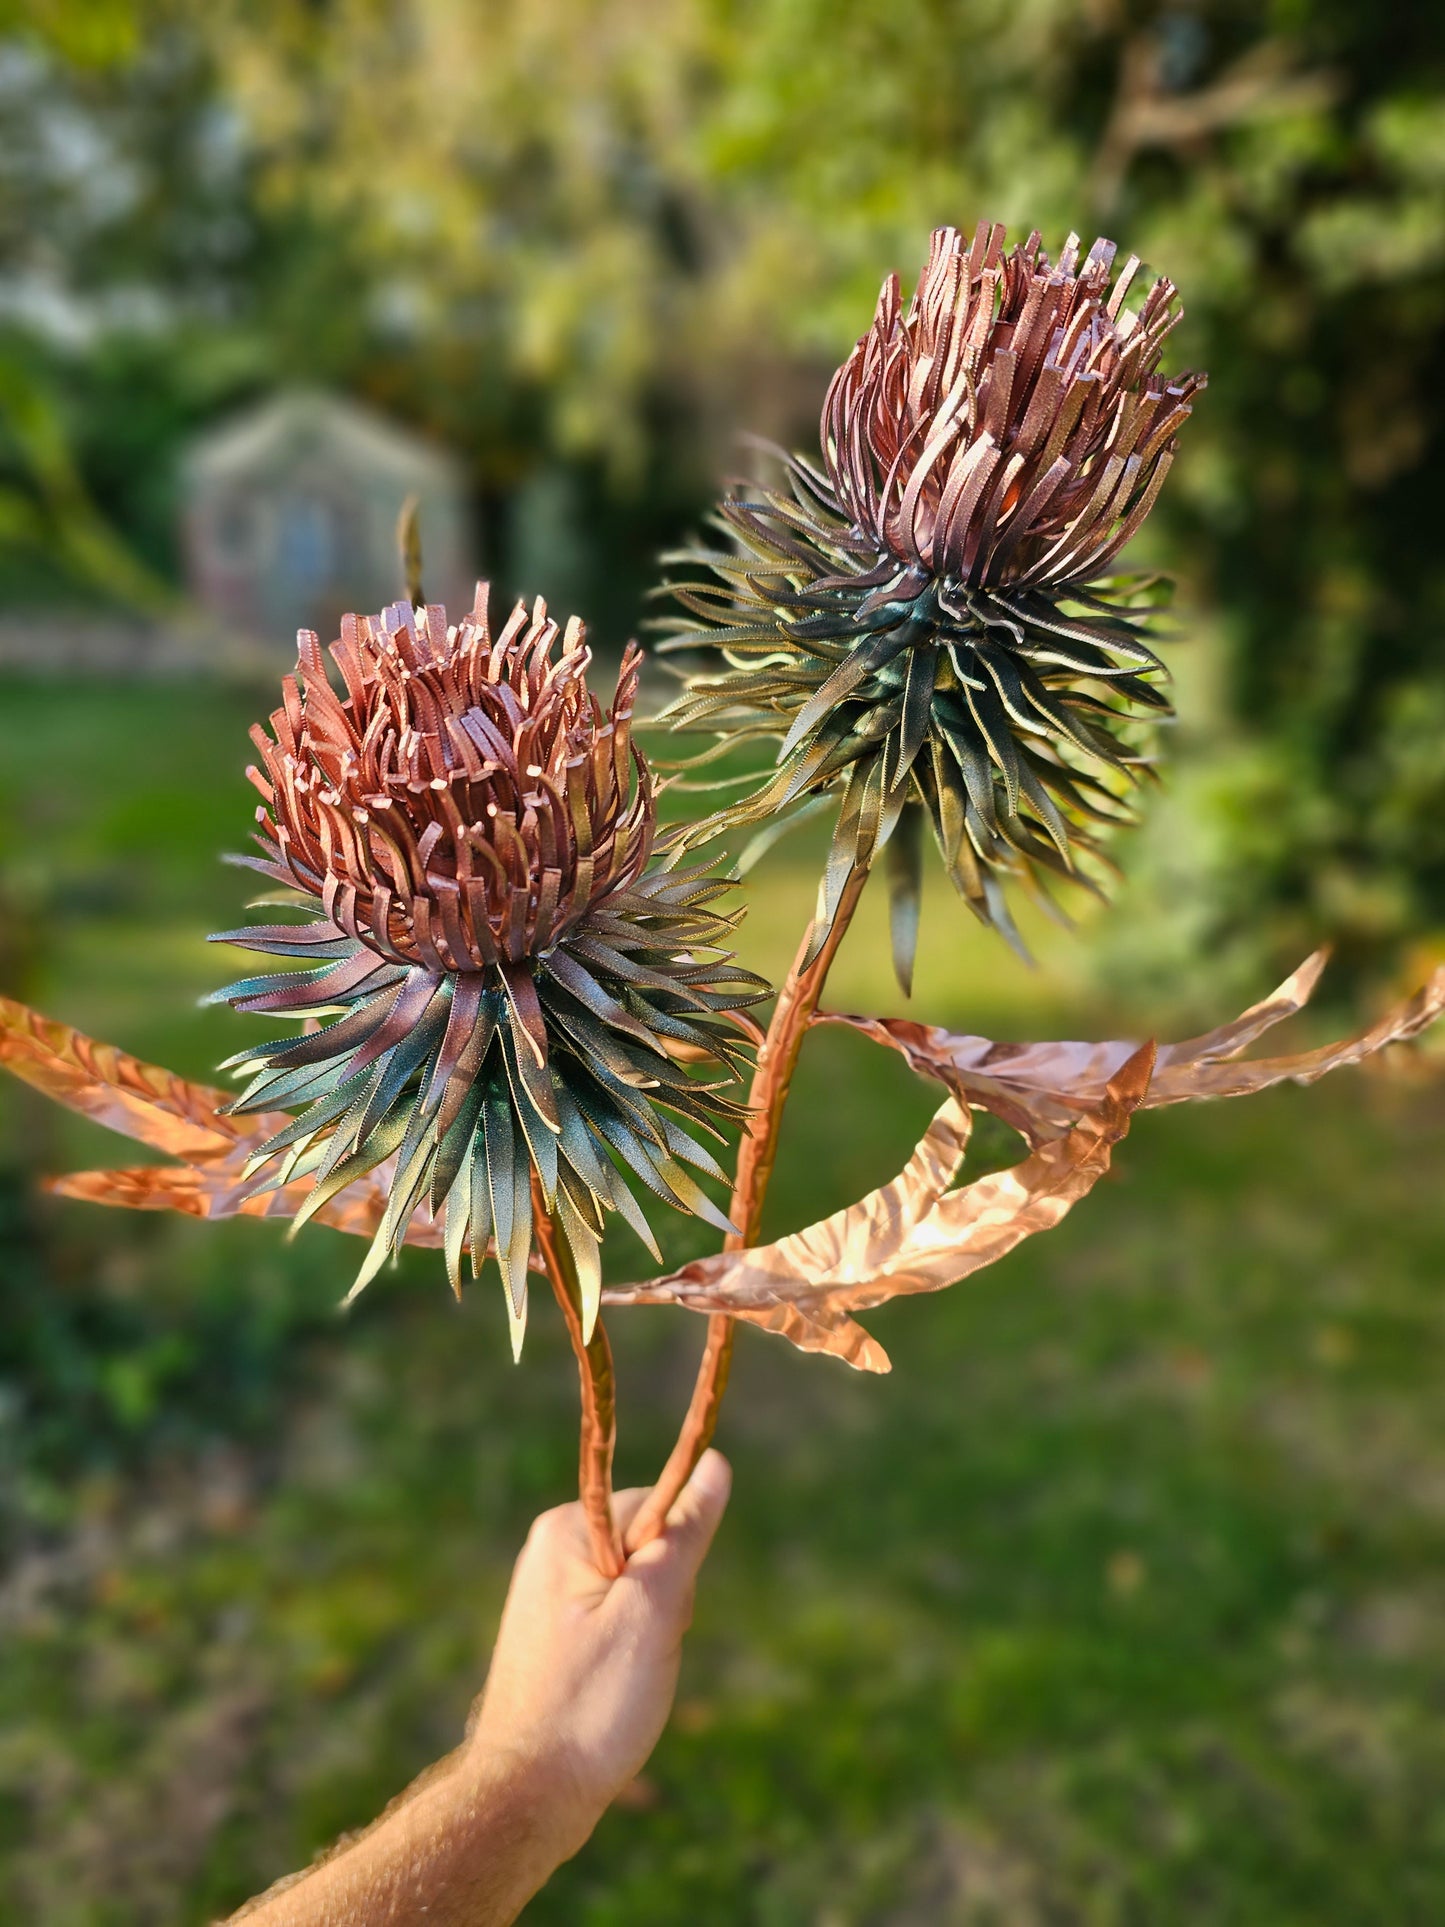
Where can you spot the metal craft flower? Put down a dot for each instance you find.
(505, 980)
(926, 620)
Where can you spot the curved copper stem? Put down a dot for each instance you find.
(599, 1395)
(772, 1080)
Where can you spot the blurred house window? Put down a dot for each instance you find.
(306, 547)
(234, 532)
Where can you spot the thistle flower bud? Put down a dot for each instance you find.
(926, 619)
(505, 979)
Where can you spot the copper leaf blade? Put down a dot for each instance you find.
(1041, 1089)
(912, 1235)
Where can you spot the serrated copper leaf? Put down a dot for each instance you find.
(1041, 1089)
(910, 1236)
(212, 1191)
(165, 1112)
(139, 1100)
(170, 1114)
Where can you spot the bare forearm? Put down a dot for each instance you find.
(466, 1846)
(580, 1687)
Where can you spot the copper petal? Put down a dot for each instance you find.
(912, 1235)
(169, 1114)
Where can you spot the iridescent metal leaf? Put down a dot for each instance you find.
(169, 1114)
(186, 1120)
(139, 1100)
(206, 1193)
(912, 1235)
(940, 589)
(1042, 1089)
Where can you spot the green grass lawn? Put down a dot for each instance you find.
(1121, 1600)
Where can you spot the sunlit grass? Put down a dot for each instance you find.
(1118, 1600)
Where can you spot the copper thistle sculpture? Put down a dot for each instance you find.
(926, 619)
(502, 972)
(516, 1006)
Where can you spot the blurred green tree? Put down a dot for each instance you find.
(587, 242)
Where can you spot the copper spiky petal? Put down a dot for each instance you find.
(926, 619)
(506, 977)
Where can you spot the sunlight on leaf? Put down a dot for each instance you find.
(1041, 1089)
(912, 1235)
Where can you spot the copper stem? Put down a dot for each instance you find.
(772, 1080)
(599, 1394)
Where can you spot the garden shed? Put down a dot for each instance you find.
(291, 511)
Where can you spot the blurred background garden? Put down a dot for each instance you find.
(1123, 1598)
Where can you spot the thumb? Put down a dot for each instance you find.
(692, 1523)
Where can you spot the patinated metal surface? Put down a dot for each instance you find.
(777, 1060)
(925, 615)
(1041, 1089)
(1070, 1101)
(503, 980)
(1050, 1093)
(910, 1236)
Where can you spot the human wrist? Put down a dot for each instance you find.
(536, 1792)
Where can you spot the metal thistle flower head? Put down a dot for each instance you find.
(926, 619)
(505, 981)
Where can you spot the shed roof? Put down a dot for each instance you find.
(269, 437)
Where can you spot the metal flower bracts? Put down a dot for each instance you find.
(927, 619)
(515, 1005)
(505, 980)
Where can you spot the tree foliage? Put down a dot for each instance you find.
(584, 242)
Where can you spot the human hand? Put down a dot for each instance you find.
(580, 1687)
(585, 1668)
